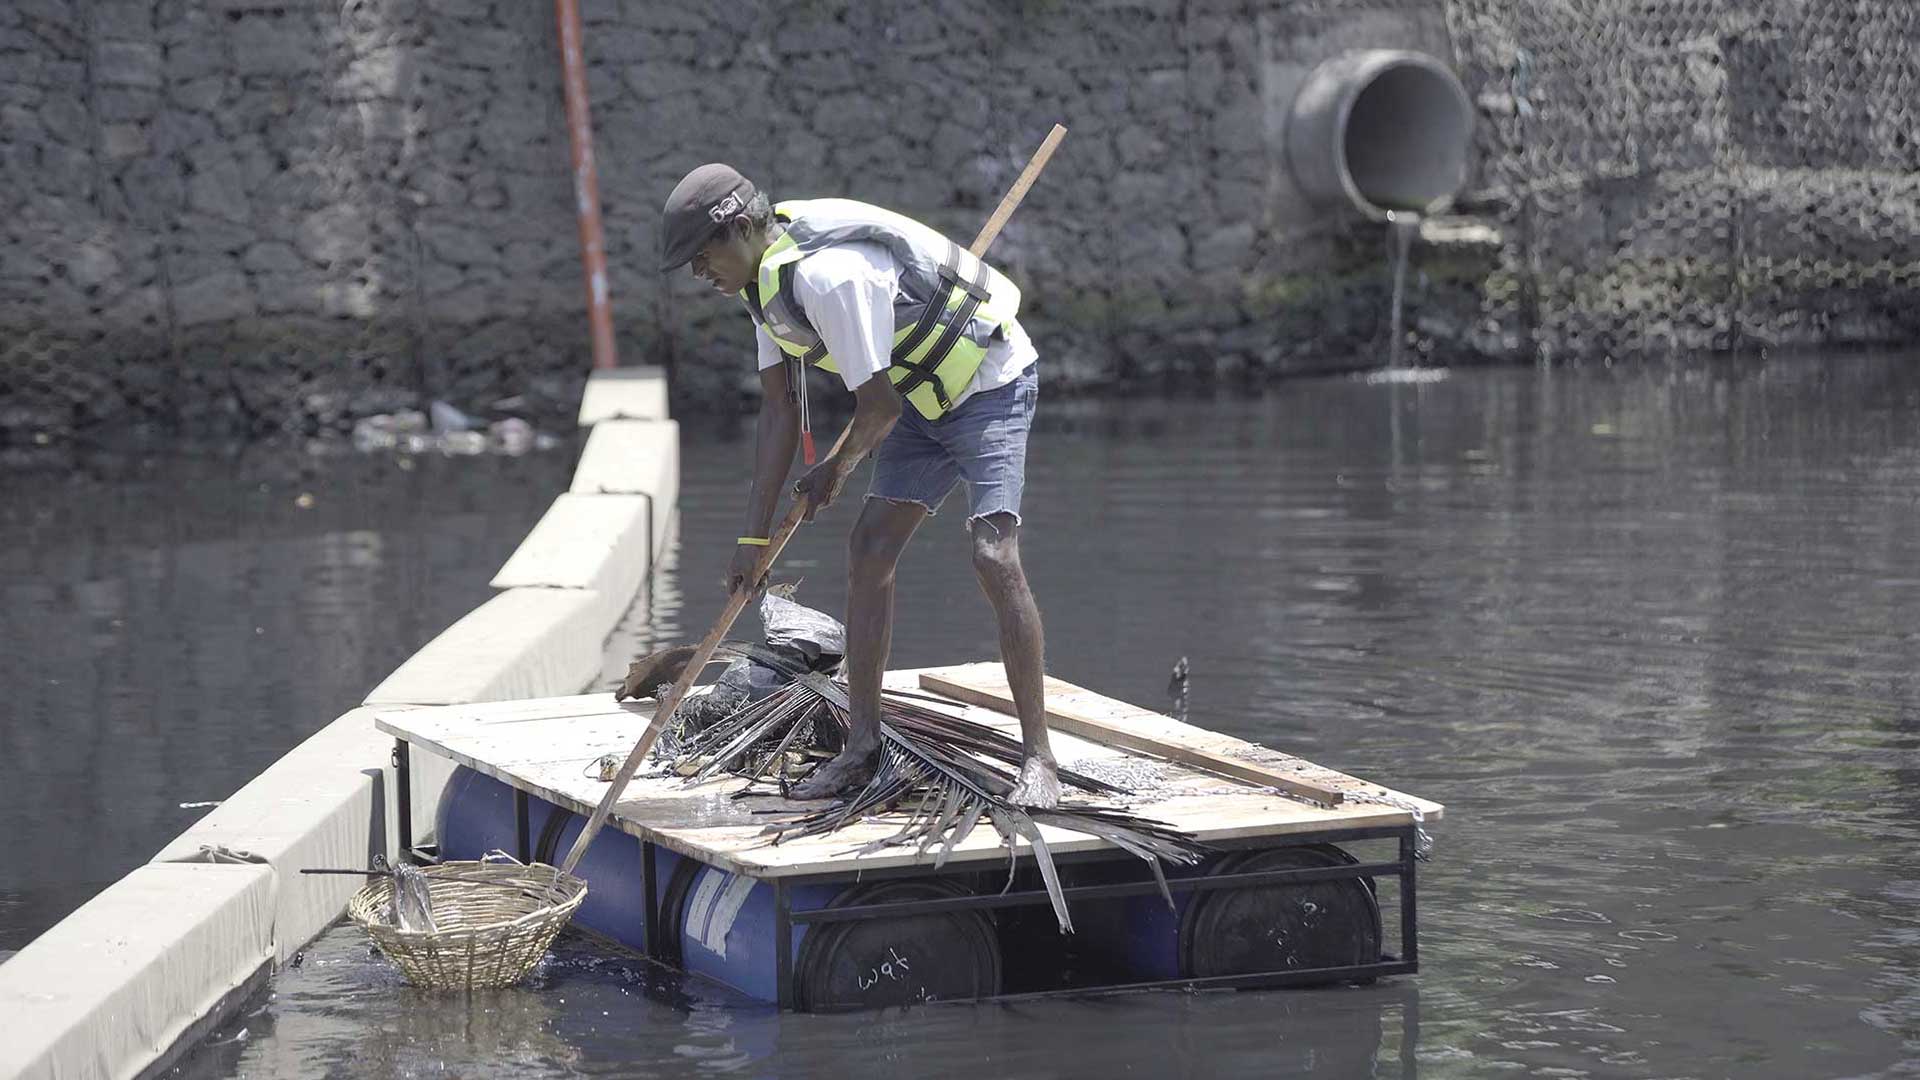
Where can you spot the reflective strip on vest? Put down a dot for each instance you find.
(938, 346)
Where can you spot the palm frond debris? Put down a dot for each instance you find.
(948, 775)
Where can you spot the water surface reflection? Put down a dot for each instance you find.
(173, 620)
(1647, 633)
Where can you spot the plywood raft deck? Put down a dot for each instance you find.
(547, 748)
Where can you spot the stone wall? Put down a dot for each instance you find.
(237, 214)
(1698, 175)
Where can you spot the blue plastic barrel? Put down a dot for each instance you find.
(725, 927)
(721, 925)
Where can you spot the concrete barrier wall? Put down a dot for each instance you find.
(128, 982)
(117, 985)
(322, 805)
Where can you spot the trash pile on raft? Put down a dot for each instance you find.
(778, 711)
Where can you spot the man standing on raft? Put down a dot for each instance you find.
(860, 290)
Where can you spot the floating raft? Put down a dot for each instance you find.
(686, 873)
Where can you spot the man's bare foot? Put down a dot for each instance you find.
(851, 768)
(1039, 785)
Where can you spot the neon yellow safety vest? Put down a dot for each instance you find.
(947, 309)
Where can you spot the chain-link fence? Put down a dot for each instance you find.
(1698, 174)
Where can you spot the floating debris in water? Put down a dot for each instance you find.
(446, 418)
(449, 431)
(237, 1037)
(1406, 375)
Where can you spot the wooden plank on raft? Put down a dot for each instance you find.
(549, 748)
(980, 685)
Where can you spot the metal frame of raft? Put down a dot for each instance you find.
(786, 918)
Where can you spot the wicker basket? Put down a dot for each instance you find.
(492, 922)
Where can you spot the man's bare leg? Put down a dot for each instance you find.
(873, 551)
(996, 561)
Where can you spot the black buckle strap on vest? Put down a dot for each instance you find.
(922, 372)
(936, 305)
(950, 273)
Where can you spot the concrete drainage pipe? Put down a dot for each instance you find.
(1380, 130)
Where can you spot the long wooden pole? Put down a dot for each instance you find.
(1094, 728)
(1011, 200)
(586, 183)
(738, 600)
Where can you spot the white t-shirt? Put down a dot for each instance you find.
(847, 291)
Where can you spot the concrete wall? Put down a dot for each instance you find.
(234, 213)
(128, 982)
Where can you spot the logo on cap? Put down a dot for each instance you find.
(726, 207)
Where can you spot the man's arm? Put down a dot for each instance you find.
(847, 293)
(876, 405)
(776, 433)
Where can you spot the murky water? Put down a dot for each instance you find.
(171, 622)
(1648, 634)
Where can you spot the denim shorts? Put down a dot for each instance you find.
(984, 442)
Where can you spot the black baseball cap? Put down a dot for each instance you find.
(702, 202)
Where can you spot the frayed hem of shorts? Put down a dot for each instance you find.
(921, 503)
(993, 513)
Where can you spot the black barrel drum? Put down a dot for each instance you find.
(1239, 931)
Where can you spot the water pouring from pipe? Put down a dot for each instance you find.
(1384, 132)
(1403, 226)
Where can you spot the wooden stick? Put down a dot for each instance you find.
(1101, 730)
(737, 602)
(1018, 191)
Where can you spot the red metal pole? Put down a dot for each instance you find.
(586, 183)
